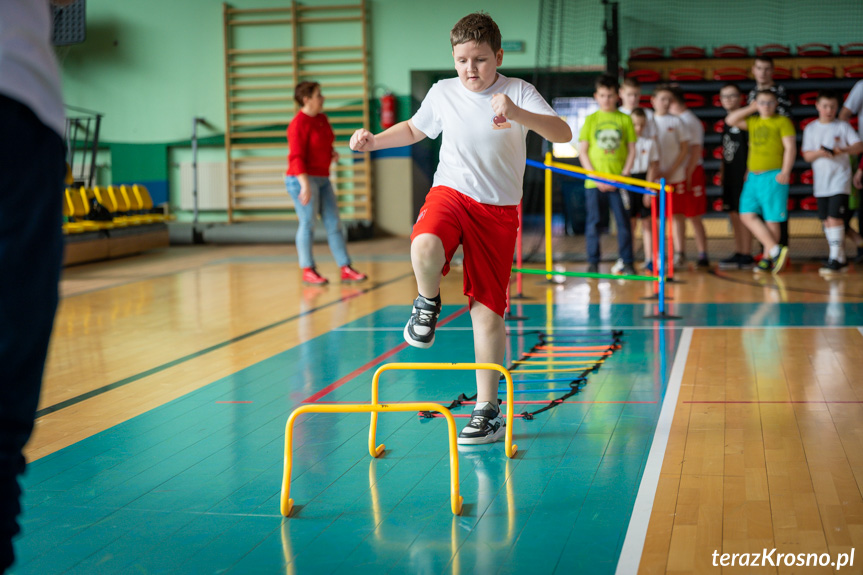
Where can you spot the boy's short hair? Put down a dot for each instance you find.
(828, 95)
(631, 83)
(638, 113)
(768, 92)
(305, 90)
(607, 81)
(477, 27)
(677, 94)
(663, 88)
(765, 59)
(731, 85)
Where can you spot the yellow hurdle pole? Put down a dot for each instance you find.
(511, 448)
(548, 253)
(609, 177)
(286, 503)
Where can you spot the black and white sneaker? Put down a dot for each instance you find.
(419, 331)
(833, 267)
(487, 425)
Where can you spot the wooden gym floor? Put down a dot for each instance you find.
(159, 442)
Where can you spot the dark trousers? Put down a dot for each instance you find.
(31, 251)
(593, 199)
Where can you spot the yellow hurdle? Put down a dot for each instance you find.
(286, 503)
(374, 450)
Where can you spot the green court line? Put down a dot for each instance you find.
(586, 275)
(105, 388)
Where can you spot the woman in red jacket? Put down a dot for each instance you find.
(310, 144)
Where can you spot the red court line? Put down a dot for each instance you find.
(379, 359)
(516, 402)
(765, 401)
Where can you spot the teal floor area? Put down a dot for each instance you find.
(193, 486)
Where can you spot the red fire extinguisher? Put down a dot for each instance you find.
(388, 110)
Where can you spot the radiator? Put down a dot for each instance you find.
(212, 186)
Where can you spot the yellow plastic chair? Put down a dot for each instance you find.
(79, 207)
(70, 227)
(123, 207)
(146, 201)
(109, 203)
(135, 205)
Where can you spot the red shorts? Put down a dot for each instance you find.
(487, 233)
(690, 201)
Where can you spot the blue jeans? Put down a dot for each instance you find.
(31, 254)
(323, 201)
(621, 217)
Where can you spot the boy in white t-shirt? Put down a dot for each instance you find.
(827, 144)
(645, 167)
(484, 118)
(673, 139)
(630, 99)
(692, 204)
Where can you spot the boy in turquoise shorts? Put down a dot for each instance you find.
(607, 144)
(764, 200)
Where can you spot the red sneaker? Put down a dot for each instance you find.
(312, 277)
(349, 274)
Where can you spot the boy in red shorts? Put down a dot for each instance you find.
(692, 205)
(484, 117)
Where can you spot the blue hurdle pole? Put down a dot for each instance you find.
(660, 267)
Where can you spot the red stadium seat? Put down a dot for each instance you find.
(773, 50)
(792, 179)
(687, 52)
(718, 126)
(686, 75)
(717, 153)
(806, 121)
(781, 73)
(806, 178)
(853, 71)
(814, 49)
(644, 76)
(717, 204)
(808, 98)
(717, 179)
(646, 53)
(817, 72)
(730, 74)
(730, 51)
(851, 49)
(791, 204)
(809, 204)
(645, 102)
(855, 122)
(694, 100)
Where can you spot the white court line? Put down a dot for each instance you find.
(633, 545)
(668, 326)
(860, 329)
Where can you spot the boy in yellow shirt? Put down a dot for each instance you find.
(772, 150)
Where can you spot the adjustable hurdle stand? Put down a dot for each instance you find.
(287, 504)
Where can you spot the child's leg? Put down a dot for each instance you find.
(489, 341)
(742, 236)
(428, 258)
(624, 231)
(679, 235)
(647, 240)
(591, 225)
(834, 230)
(700, 234)
(760, 231)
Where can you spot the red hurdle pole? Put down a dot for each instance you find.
(518, 252)
(655, 244)
(669, 237)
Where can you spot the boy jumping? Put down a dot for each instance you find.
(484, 117)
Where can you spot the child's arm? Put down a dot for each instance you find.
(584, 158)
(790, 145)
(812, 155)
(630, 159)
(694, 156)
(652, 171)
(402, 134)
(737, 118)
(681, 156)
(851, 150)
(552, 128)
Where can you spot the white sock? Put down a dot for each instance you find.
(836, 241)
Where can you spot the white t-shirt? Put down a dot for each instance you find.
(671, 133)
(482, 162)
(695, 129)
(649, 126)
(646, 152)
(28, 69)
(832, 175)
(854, 102)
